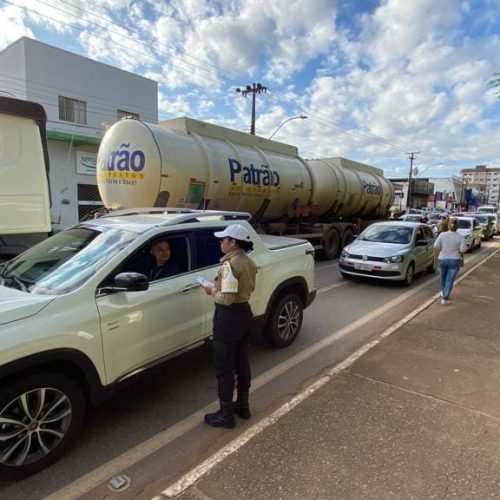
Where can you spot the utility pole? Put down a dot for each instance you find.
(408, 195)
(256, 88)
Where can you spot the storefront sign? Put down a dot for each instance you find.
(86, 162)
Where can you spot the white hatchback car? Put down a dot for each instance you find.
(471, 230)
(394, 251)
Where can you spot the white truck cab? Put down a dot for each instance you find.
(24, 169)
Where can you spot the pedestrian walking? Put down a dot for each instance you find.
(232, 325)
(449, 249)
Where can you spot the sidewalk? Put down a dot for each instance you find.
(416, 417)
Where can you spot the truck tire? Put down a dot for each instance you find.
(347, 237)
(331, 244)
(40, 416)
(285, 320)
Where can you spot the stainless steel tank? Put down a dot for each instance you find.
(193, 164)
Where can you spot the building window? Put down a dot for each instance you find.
(72, 110)
(89, 201)
(126, 114)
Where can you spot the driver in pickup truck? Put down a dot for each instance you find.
(232, 325)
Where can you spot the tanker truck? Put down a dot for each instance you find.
(187, 163)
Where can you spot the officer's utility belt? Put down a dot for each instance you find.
(234, 306)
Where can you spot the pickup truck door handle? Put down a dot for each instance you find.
(190, 287)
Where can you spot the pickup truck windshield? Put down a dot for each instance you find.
(65, 261)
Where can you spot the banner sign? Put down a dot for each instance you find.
(86, 162)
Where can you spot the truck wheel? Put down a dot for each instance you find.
(285, 320)
(347, 237)
(331, 244)
(410, 273)
(40, 416)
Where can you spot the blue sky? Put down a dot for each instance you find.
(376, 82)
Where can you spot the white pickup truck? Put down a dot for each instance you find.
(76, 319)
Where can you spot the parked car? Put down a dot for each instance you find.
(394, 251)
(77, 319)
(494, 223)
(412, 217)
(487, 226)
(469, 227)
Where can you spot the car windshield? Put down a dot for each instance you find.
(483, 219)
(64, 261)
(411, 218)
(387, 234)
(464, 223)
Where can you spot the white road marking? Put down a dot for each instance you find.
(331, 287)
(103, 473)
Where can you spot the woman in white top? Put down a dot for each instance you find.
(450, 247)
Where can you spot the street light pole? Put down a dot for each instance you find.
(301, 117)
(256, 88)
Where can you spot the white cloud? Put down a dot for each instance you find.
(13, 25)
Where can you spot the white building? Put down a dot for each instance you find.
(448, 192)
(81, 97)
(486, 181)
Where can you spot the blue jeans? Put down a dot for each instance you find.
(449, 269)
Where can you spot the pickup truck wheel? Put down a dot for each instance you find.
(285, 321)
(40, 416)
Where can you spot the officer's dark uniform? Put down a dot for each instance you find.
(232, 325)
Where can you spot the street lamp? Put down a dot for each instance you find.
(426, 168)
(302, 117)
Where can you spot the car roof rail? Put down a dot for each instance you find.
(183, 214)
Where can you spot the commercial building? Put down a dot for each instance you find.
(482, 184)
(82, 98)
(420, 191)
(448, 193)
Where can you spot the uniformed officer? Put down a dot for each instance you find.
(232, 324)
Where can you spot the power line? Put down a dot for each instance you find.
(316, 115)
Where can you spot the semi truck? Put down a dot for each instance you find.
(187, 163)
(24, 176)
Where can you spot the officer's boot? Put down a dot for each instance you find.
(222, 418)
(241, 406)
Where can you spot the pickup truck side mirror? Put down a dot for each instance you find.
(127, 282)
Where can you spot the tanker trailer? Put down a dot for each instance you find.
(187, 163)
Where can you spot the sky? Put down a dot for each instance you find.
(377, 79)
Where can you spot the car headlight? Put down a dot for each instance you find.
(394, 259)
(344, 254)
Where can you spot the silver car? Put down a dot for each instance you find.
(394, 251)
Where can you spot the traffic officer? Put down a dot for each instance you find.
(232, 324)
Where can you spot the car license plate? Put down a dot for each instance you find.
(363, 267)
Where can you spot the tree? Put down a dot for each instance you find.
(495, 82)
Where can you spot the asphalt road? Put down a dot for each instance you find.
(152, 432)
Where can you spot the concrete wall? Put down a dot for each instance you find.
(13, 70)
